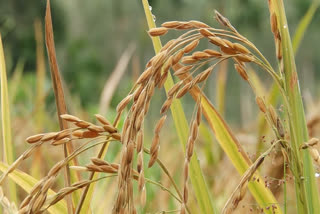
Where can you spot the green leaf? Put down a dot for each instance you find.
(26, 182)
(8, 147)
(304, 24)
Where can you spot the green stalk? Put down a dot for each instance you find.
(8, 146)
(197, 179)
(301, 163)
(273, 94)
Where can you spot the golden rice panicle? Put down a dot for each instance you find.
(194, 129)
(90, 134)
(116, 136)
(139, 140)
(145, 76)
(221, 19)
(174, 89)
(205, 32)
(212, 53)
(241, 70)
(35, 138)
(163, 79)
(102, 119)
(183, 91)
(158, 31)
(217, 41)
(199, 114)
(203, 75)
(95, 128)
(177, 57)
(140, 163)
(228, 50)
(224, 21)
(190, 47)
(154, 149)
(183, 70)
(185, 26)
(198, 24)
(70, 118)
(244, 58)
(261, 104)
(166, 105)
(159, 60)
(62, 134)
(124, 103)
(188, 60)
(98, 161)
(200, 55)
(110, 129)
(160, 124)
(83, 124)
(49, 136)
(61, 141)
(171, 24)
(240, 48)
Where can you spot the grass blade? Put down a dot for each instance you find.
(39, 113)
(114, 79)
(41, 73)
(26, 182)
(304, 24)
(8, 147)
(197, 179)
(15, 80)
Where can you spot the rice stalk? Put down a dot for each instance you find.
(305, 184)
(114, 79)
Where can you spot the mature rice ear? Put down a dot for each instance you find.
(158, 31)
(241, 70)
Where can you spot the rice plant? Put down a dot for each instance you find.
(180, 67)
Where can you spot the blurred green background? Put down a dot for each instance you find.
(90, 37)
